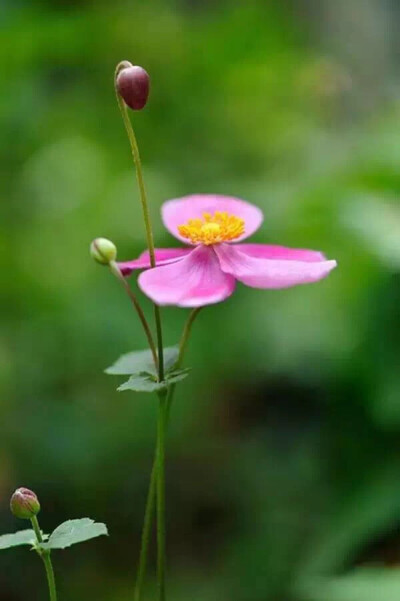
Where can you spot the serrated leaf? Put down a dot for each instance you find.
(147, 383)
(142, 383)
(138, 362)
(23, 537)
(73, 532)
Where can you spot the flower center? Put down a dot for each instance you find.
(212, 229)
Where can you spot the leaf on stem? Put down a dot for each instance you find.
(23, 537)
(145, 382)
(138, 362)
(73, 532)
(140, 367)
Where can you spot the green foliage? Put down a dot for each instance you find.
(66, 534)
(73, 532)
(23, 537)
(140, 366)
(143, 382)
(137, 362)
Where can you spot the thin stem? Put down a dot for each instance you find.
(146, 531)
(45, 555)
(157, 317)
(161, 535)
(151, 495)
(185, 335)
(117, 273)
(36, 528)
(146, 215)
(139, 173)
(182, 348)
(50, 575)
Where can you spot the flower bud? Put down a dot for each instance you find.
(103, 251)
(132, 84)
(24, 504)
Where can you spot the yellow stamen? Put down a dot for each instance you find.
(212, 229)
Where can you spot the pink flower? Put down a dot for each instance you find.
(206, 271)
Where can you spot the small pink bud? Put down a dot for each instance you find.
(24, 504)
(132, 84)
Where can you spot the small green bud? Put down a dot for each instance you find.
(103, 251)
(24, 504)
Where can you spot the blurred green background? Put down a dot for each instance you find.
(284, 448)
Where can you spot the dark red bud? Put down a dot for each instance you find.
(133, 84)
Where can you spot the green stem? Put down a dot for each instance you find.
(146, 531)
(151, 495)
(182, 349)
(36, 528)
(45, 555)
(145, 209)
(157, 317)
(117, 273)
(161, 535)
(138, 164)
(50, 575)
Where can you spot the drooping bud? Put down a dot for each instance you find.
(24, 504)
(132, 83)
(103, 251)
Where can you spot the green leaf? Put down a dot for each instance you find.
(147, 383)
(142, 383)
(73, 532)
(177, 375)
(138, 362)
(23, 537)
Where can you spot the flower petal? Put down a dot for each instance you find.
(164, 256)
(194, 281)
(270, 273)
(270, 251)
(178, 212)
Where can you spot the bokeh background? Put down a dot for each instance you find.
(284, 448)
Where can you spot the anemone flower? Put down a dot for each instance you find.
(206, 271)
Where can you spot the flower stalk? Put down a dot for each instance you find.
(145, 209)
(161, 536)
(45, 555)
(162, 417)
(151, 494)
